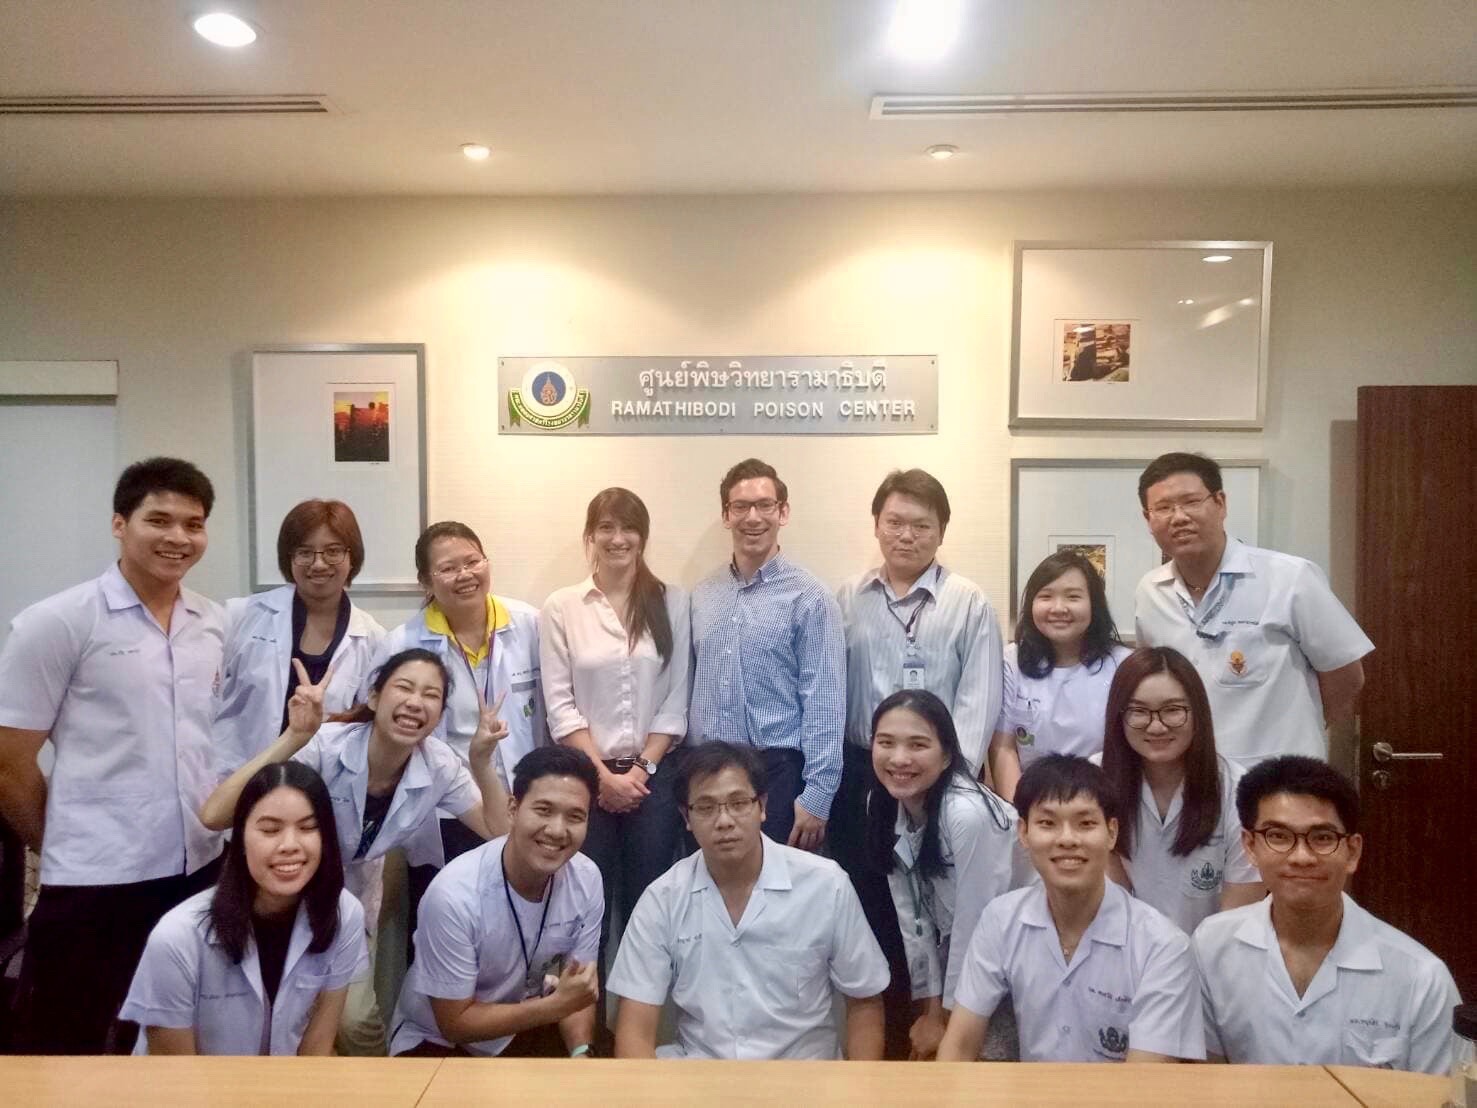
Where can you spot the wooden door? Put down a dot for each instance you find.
(1417, 587)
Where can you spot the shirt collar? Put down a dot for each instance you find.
(1235, 559)
(774, 566)
(119, 594)
(930, 581)
(1354, 949)
(588, 588)
(1110, 925)
(497, 619)
(353, 755)
(774, 871)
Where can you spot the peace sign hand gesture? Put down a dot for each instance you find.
(305, 707)
(490, 730)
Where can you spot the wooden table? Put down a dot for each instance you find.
(1379, 1088)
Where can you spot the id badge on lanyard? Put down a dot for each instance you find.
(913, 666)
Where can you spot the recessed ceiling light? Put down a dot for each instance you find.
(1247, 302)
(941, 152)
(1216, 258)
(1185, 301)
(923, 29)
(475, 151)
(225, 29)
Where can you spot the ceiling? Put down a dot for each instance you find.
(673, 96)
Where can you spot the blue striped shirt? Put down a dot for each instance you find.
(771, 669)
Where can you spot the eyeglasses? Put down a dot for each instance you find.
(331, 555)
(1163, 512)
(737, 509)
(451, 573)
(737, 807)
(1171, 716)
(1321, 840)
(895, 527)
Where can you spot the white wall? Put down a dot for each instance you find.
(1369, 287)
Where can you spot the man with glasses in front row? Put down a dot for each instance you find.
(1306, 976)
(752, 940)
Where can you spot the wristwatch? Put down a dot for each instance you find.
(649, 767)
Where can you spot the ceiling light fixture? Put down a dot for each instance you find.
(941, 152)
(1216, 258)
(1187, 300)
(225, 29)
(922, 30)
(475, 151)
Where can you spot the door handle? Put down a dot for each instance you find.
(1384, 752)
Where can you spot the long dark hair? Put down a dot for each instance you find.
(646, 607)
(1034, 653)
(363, 713)
(235, 890)
(1200, 813)
(881, 826)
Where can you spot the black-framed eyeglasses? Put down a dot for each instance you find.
(736, 806)
(1171, 716)
(1322, 841)
(331, 555)
(737, 509)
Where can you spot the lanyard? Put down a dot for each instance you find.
(1223, 594)
(908, 627)
(543, 919)
(491, 658)
(921, 906)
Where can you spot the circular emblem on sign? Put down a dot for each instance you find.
(548, 398)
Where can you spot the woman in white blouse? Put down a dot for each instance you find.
(615, 656)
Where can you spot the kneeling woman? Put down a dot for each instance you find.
(261, 963)
(386, 775)
(947, 847)
(1179, 843)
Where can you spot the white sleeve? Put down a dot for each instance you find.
(644, 967)
(982, 983)
(858, 967)
(1326, 633)
(1211, 1027)
(557, 665)
(312, 754)
(349, 957)
(1010, 680)
(1167, 1017)
(1432, 1039)
(36, 667)
(168, 975)
(671, 713)
(977, 698)
(983, 857)
(446, 943)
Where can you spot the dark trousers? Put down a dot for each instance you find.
(83, 944)
(456, 839)
(846, 829)
(536, 1042)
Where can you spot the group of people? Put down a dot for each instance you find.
(1060, 849)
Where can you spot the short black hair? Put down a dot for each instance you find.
(161, 475)
(747, 470)
(915, 484)
(1298, 776)
(706, 759)
(555, 761)
(1167, 465)
(1060, 777)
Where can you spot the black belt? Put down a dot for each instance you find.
(619, 765)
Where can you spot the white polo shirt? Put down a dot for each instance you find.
(1266, 627)
(257, 664)
(129, 711)
(1379, 998)
(765, 988)
(1061, 713)
(1131, 981)
(466, 943)
(186, 979)
(984, 858)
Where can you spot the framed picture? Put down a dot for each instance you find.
(1092, 506)
(1140, 334)
(341, 422)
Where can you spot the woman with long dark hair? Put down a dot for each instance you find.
(1179, 843)
(946, 845)
(261, 963)
(1057, 670)
(615, 657)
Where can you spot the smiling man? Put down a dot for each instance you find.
(1280, 656)
(120, 673)
(1096, 976)
(508, 933)
(1307, 977)
(771, 660)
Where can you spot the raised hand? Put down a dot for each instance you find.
(305, 706)
(491, 730)
(578, 987)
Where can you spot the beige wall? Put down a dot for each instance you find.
(1369, 287)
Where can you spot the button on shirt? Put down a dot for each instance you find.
(186, 979)
(955, 634)
(771, 669)
(594, 680)
(466, 944)
(129, 709)
(1061, 713)
(763, 989)
(1131, 981)
(1378, 999)
(1266, 627)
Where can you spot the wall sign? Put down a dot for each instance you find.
(778, 395)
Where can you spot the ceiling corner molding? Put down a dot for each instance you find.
(966, 105)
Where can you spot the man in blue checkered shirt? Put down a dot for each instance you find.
(771, 659)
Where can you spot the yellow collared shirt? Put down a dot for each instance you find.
(497, 619)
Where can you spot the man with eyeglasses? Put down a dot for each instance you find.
(1280, 656)
(911, 623)
(1307, 977)
(753, 940)
(771, 660)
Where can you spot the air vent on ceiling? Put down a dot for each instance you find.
(296, 104)
(1320, 100)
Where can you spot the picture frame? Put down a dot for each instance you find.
(341, 421)
(1131, 335)
(1093, 502)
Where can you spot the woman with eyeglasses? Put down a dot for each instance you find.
(1182, 852)
(1057, 670)
(944, 845)
(311, 621)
